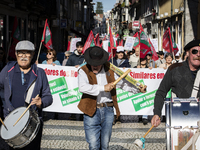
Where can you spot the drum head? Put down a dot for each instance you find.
(10, 121)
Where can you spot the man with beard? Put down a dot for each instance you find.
(17, 78)
(179, 78)
(95, 81)
(77, 57)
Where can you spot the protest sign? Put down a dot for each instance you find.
(129, 43)
(73, 43)
(63, 82)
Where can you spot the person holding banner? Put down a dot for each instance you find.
(77, 57)
(180, 78)
(133, 60)
(120, 59)
(51, 58)
(168, 61)
(17, 79)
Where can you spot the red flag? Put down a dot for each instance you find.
(153, 51)
(88, 41)
(112, 42)
(144, 44)
(16, 37)
(121, 42)
(168, 43)
(68, 45)
(47, 37)
(137, 40)
(103, 40)
(96, 40)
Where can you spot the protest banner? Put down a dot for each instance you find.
(73, 43)
(129, 43)
(63, 82)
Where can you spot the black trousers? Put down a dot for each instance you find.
(35, 144)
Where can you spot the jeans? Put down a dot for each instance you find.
(98, 128)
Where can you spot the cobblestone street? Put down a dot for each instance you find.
(68, 135)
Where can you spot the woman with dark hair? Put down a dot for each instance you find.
(51, 58)
(168, 59)
(120, 59)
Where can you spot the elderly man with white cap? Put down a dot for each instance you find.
(18, 78)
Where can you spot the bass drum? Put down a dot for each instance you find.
(24, 131)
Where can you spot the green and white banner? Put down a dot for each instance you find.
(63, 82)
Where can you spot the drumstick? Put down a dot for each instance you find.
(3, 123)
(122, 76)
(148, 131)
(24, 112)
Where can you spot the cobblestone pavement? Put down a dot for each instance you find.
(68, 135)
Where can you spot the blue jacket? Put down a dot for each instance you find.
(41, 87)
(75, 59)
(125, 63)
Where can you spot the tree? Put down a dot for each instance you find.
(99, 8)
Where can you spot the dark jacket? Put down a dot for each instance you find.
(179, 78)
(124, 63)
(75, 59)
(41, 87)
(88, 103)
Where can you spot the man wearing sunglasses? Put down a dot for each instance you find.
(22, 80)
(179, 78)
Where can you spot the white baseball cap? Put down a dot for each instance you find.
(25, 45)
(120, 49)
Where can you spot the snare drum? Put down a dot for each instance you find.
(24, 131)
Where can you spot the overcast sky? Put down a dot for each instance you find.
(107, 4)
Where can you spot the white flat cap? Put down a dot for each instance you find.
(25, 45)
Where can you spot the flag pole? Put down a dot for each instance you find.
(112, 54)
(39, 52)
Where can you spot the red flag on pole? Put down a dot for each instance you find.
(144, 44)
(103, 40)
(112, 42)
(168, 43)
(88, 41)
(153, 51)
(47, 37)
(121, 42)
(137, 40)
(96, 40)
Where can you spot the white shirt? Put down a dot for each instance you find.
(95, 89)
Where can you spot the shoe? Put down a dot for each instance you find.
(145, 121)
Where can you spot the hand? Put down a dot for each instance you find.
(53, 64)
(138, 66)
(76, 66)
(36, 62)
(165, 68)
(124, 67)
(143, 89)
(150, 68)
(108, 87)
(155, 121)
(37, 101)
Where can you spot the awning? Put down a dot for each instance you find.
(78, 33)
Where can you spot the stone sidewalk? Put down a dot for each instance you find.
(63, 134)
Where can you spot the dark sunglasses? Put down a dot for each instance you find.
(195, 51)
(49, 53)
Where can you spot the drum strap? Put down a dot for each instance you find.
(193, 139)
(29, 93)
(196, 85)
